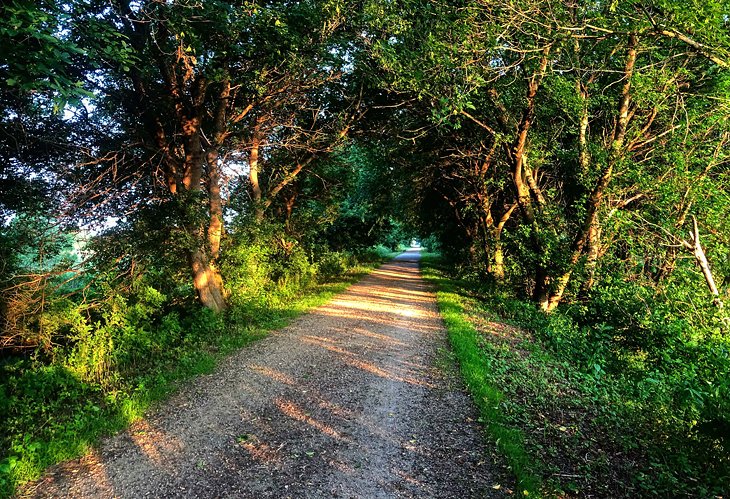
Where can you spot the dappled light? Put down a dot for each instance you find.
(354, 360)
(269, 241)
(156, 445)
(275, 375)
(337, 392)
(293, 411)
(262, 452)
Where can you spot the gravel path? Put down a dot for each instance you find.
(350, 400)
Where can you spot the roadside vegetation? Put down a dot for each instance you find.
(56, 404)
(572, 408)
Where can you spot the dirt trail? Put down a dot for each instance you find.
(347, 401)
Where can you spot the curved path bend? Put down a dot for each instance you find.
(350, 400)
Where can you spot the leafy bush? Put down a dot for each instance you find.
(333, 264)
(431, 244)
(375, 254)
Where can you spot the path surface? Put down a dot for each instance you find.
(347, 401)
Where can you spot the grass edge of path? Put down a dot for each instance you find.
(464, 340)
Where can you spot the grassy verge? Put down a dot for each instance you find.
(53, 416)
(475, 366)
(568, 422)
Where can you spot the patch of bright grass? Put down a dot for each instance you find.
(475, 369)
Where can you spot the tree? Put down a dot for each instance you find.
(208, 82)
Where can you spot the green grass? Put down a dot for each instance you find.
(475, 370)
(57, 416)
(567, 421)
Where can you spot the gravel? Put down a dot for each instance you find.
(358, 398)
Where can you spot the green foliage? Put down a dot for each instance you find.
(618, 389)
(431, 244)
(379, 121)
(333, 264)
(114, 354)
(260, 260)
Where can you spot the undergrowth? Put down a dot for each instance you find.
(571, 415)
(56, 407)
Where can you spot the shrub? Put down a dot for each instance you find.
(334, 264)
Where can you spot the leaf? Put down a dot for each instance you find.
(10, 463)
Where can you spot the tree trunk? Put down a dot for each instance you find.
(498, 250)
(519, 175)
(541, 293)
(594, 232)
(207, 281)
(592, 252)
(519, 150)
(702, 261)
(289, 208)
(596, 198)
(253, 163)
(215, 202)
(498, 260)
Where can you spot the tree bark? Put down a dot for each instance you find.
(253, 163)
(702, 261)
(215, 226)
(593, 250)
(519, 175)
(184, 157)
(519, 149)
(207, 281)
(498, 250)
(189, 97)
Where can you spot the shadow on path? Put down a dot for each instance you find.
(347, 401)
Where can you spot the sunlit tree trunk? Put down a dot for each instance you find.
(215, 202)
(498, 270)
(207, 280)
(596, 198)
(594, 233)
(253, 163)
(520, 173)
(189, 93)
(699, 253)
(592, 253)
